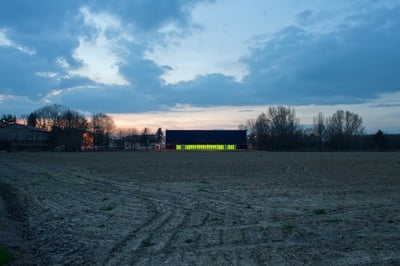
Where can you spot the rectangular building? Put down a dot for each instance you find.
(207, 140)
(21, 137)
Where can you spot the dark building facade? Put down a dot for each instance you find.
(218, 140)
(21, 137)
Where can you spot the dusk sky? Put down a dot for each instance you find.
(202, 64)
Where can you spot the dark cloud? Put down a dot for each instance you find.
(305, 17)
(19, 74)
(207, 90)
(351, 64)
(151, 14)
(142, 74)
(210, 90)
(384, 105)
(75, 81)
(30, 16)
(51, 30)
(25, 20)
(105, 99)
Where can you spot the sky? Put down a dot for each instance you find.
(202, 64)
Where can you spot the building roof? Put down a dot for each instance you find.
(206, 137)
(20, 126)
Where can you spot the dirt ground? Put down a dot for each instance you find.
(201, 208)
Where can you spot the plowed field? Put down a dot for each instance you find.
(201, 208)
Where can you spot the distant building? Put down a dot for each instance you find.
(18, 137)
(206, 140)
(143, 142)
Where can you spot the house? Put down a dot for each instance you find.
(206, 140)
(17, 137)
(143, 142)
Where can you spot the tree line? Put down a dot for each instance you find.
(71, 131)
(277, 129)
(280, 129)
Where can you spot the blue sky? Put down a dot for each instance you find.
(202, 64)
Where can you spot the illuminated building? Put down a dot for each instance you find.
(205, 140)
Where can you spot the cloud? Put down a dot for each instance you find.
(102, 98)
(150, 15)
(352, 64)
(19, 74)
(44, 26)
(18, 105)
(47, 46)
(305, 17)
(384, 105)
(214, 43)
(5, 41)
(101, 51)
(206, 90)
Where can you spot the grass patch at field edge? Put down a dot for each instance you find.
(5, 256)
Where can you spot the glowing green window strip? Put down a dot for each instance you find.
(206, 147)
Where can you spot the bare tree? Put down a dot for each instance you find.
(278, 129)
(335, 125)
(46, 117)
(319, 129)
(32, 119)
(102, 127)
(342, 128)
(69, 131)
(353, 124)
(319, 125)
(72, 119)
(283, 120)
(284, 126)
(262, 131)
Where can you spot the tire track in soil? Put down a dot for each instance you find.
(152, 237)
(158, 238)
(165, 199)
(115, 256)
(132, 248)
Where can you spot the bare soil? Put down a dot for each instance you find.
(201, 208)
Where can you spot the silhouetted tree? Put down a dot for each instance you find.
(159, 135)
(353, 124)
(32, 119)
(343, 129)
(284, 127)
(278, 129)
(380, 140)
(69, 131)
(46, 117)
(102, 126)
(262, 132)
(319, 129)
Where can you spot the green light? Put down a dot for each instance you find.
(206, 147)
